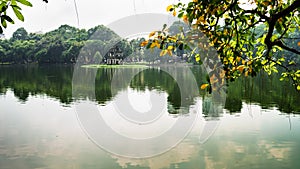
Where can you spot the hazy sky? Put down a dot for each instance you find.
(45, 17)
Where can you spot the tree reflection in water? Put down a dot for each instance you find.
(56, 81)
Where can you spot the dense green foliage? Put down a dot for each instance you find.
(67, 43)
(62, 45)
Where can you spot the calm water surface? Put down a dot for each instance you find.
(259, 126)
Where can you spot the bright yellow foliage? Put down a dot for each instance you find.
(152, 34)
(169, 8)
(144, 43)
(204, 86)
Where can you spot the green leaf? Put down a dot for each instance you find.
(6, 17)
(13, 2)
(278, 27)
(148, 45)
(3, 22)
(180, 15)
(16, 6)
(264, 62)
(3, 8)
(25, 2)
(292, 63)
(281, 59)
(18, 14)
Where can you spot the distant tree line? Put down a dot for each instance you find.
(65, 44)
(62, 45)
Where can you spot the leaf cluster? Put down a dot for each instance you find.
(15, 6)
(231, 28)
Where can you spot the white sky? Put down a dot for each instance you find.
(46, 17)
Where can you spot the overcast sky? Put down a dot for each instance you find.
(46, 17)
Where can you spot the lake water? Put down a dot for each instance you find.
(42, 125)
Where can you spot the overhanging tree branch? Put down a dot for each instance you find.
(286, 11)
(272, 21)
(280, 44)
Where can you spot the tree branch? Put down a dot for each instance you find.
(280, 44)
(289, 38)
(272, 21)
(289, 9)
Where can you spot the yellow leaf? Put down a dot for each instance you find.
(169, 8)
(170, 47)
(171, 38)
(225, 32)
(152, 34)
(157, 45)
(185, 18)
(215, 40)
(265, 3)
(169, 52)
(174, 13)
(163, 52)
(298, 43)
(246, 73)
(241, 68)
(144, 43)
(213, 79)
(154, 44)
(230, 59)
(201, 19)
(204, 86)
(195, 1)
(197, 57)
(298, 87)
(226, 15)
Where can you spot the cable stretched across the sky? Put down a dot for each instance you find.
(76, 10)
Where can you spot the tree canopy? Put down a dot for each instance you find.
(68, 44)
(248, 35)
(62, 45)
